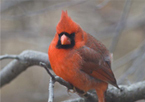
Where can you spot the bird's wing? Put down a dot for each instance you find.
(96, 65)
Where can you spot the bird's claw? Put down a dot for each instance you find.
(83, 94)
(71, 90)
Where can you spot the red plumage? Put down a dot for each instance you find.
(80, 59)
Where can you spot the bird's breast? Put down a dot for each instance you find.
(64, 62)
(67, 64)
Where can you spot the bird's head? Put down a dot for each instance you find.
(68, 32)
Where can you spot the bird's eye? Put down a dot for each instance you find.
(60, 34)
(72, 35)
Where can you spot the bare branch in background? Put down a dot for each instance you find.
(28, 58)
(121, 25)
(130, 56)
(136, 63)
(139, 74)
(103, 4)
(130, 70)
(56, 6)
(132, 23)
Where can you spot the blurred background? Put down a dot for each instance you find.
(31, 24)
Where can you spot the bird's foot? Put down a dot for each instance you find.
(79, 92)
(82, 94)
(71, 90)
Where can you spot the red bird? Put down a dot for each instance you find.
(80, 59)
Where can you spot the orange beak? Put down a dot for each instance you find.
(65, 40)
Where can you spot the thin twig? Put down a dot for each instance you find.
(57, 78)
(47, 69)
(51, 82)
(9, 57)
(51, 87)
(63, 82)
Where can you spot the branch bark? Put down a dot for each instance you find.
(129, 93)
(51, 86)
(29, 58)
(24, 60)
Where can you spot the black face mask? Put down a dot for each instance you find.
(70, 36)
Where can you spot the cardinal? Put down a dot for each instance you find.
(80, 59)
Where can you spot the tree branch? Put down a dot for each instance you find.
(9, 57)
(121, 25)
(46, 68)
(129, 93)
(24, 60)
(51, 86)
(28, 58)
